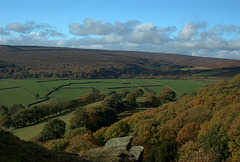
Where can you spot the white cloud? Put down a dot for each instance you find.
(189, 30)
(149, 33)
(4, 32)
(92, 27)
(21, 28)
(113, 38)
(3, 41)
(193, 38)
(131, 31)
(31, 26)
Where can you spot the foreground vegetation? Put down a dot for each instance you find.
(74, 89)
(201, 126)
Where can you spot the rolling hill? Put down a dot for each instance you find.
(92, 63)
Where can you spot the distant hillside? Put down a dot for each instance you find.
(86, 63)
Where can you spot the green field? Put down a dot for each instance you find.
(24, 91)
(195, 68)
(27, 88)
(210, 73)
(27, 133)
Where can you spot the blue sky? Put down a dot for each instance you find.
(208, 28)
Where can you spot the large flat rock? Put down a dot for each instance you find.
(123, 143)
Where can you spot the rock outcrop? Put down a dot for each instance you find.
(115, 149)
(137, 152)
(123, 143)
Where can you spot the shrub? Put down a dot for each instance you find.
(216, 141)
(81, 143)
(59, 145)
(78, 131)
(153, 100)
(54, 129)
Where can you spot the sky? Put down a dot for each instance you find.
(206, 28)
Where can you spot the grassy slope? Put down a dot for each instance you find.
(210, 73)
(27, 133)
(13, 149)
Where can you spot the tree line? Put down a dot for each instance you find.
(10, 70)
(18, 116)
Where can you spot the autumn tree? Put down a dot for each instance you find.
(124, 92)
(166, 151)
(215, 140)
(113, 101)
(78, 131)
(93, 118)
(3, 110)
(54, 129)
(188, 132)
(118, 129)
(79, 119)
(110, 93)
(131, 99)
(138, 92)
(81, 143)
(94, 91)
(152, 100)
(167, 95)
(59, 145)
(15, 108)
(6, 121)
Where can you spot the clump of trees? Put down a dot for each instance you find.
(152, 100)
(167, 95)
(93, 118)
(3, 110)
(53, 129)
(59, 145)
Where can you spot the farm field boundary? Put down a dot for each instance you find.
(47, 90)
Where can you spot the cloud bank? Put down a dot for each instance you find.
(193, 38)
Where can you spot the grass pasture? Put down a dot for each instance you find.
(180, 86)
(210, 73)
(27, 133)
(81, 87)
(195, 68)
(24, 91)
